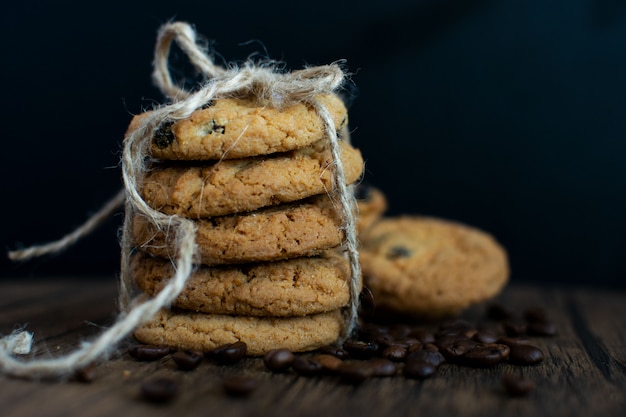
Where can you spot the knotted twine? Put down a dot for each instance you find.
(265, 83)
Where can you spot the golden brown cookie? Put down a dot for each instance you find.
(237, 185)
(371, 203)
(238, 128)
(204, 332)
(293, 287)
(431, 267)
(302, 228)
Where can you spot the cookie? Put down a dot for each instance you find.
(293, 287)
(371, 203)
(204, 332)
(237, 128)
(290, 230)
(431, 267)
(237, 185)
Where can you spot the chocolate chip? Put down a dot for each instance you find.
(164, 136)
(396, 252)
(517, 386)
(363, 192)
(187, 360)
(239, 385)
(148, 352)
(214, 127)
(159, 390)
(278, 360)
(525, 355)
(307, 366)
(230, 353)
(418, 370)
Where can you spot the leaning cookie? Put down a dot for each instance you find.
(196, 331)
(303, 228)
(237, 128)
(237, 185)
(294, 287)
(431, 267)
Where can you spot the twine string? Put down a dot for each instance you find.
(261, 81)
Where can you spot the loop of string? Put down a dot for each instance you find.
(263, 82)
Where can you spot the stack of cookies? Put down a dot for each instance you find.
(257, 182)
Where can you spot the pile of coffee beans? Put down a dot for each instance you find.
(382, 349)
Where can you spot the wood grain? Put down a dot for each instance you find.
(584, 372)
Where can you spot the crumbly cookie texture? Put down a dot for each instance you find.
(431, 267)
(204, 332)
(371, 203)
(302, 228)
(237, 128)
(238, 185)
(293, 287)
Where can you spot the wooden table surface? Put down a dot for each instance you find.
(583, 374)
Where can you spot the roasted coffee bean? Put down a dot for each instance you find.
(159, 390)
(422, 335)
(86, 374)
(307, 366)
(433, 358)
(455, 325)
(230, 353)
(354, 372)
(484, 356)
(429, 347)
(335, 351)
(515, 328)
(484, 336)
(499, 312)
(541, 328)
(382, 367)
(187, 360)
(395, 353)
(329, 363)
(278, 360)
(400, 331)
(535, 314)
(457, 349)
(517, 386)
(444, 341)
(360, 349)
(239, 385)
(418, 370)
(148, 352)
(513, 341)
(525, 355)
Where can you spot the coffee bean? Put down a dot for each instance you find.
(429, 347)
(159, 390)
(329, 363)
(360, 349)
(525, 355)
(230, 353)
(422, 335)
(535, 314)
(394, 353)
(86, 374)
(517, 386)
(499, 312)
(335, 351)
(433, 358)
(513, 341)
(239, 385)
(148, 352)
(187, 360)
(418, 370)
(457, 349)
(278, 360)
(354, 372)
(515, 328)
(486, 336)
(541, 328)
(382, 367)
(400, 331)
(484, 356)
(307, 366)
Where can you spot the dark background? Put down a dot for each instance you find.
(506, 115)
